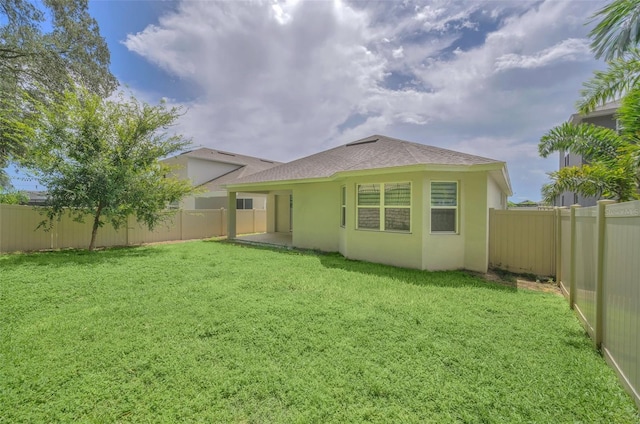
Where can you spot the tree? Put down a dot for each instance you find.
(620, 77)
(46, 61)
(13, 197)
(99, 158)
(618, 31)
(613, 157)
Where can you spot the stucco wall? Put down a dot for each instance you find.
(283, 213)
(316, 216)
(393, 248)
(475, 216)
(443, 251)
(316, 221)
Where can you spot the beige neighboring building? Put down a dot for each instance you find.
(380, 199)
(209, 169)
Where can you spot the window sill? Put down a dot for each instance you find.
(371, 230)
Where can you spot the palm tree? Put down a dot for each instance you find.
(621, 76)
(612, 156)
(619, 29)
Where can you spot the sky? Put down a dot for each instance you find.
(285, 79)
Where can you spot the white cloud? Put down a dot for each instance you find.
(279, 79)
(567, 50)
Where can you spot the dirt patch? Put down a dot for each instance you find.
(521, 282)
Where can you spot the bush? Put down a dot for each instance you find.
(13, 197)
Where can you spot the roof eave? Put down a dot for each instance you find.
(494, 166)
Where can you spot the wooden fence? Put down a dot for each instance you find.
(19, 232)
(596, 262)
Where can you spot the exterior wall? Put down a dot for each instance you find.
(317, 209)
(315, 218)
(200, 171)
(392, 248)
(496, 199)
(475, 221)
(283, 213)
(271, 213)
(469, 248)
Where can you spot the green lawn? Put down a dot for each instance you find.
(214, 332)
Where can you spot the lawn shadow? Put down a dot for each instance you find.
(59, 258)
(460, 278)
(453, 279)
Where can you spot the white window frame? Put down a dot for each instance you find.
(447, 207)
(381, 207)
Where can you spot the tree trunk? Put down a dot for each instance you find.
(94, 232)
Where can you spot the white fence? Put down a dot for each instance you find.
(596, 253)
(19, 232)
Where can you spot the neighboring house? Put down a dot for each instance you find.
(208, 169)
(604, 116)
(385, 200)
(36, 198)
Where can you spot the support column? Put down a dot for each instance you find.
(231, 215)
(600, 225)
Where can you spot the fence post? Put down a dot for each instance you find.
(231, 217)
(253, 224)
(558, 245)
(572, 260)
(182, 213)
(223, 222)
(601, 220)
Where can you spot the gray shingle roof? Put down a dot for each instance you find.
(374, 152)
(228, 157)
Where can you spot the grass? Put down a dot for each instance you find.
(213, 332)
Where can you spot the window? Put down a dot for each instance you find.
(444, 207)
(244, 203)
(384, 207)
(343, 206)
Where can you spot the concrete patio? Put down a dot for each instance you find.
(269, 239)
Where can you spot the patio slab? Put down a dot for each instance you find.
(271, 239)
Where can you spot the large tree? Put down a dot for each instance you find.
(46, 47)
(99, 158)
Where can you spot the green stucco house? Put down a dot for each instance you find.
(385, 200)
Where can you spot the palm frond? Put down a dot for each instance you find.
(629, 116)
(619, 78)
(591, 141)
(618, 30)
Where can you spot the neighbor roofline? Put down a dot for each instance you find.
(577, 118)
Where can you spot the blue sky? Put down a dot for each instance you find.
(285, 79)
